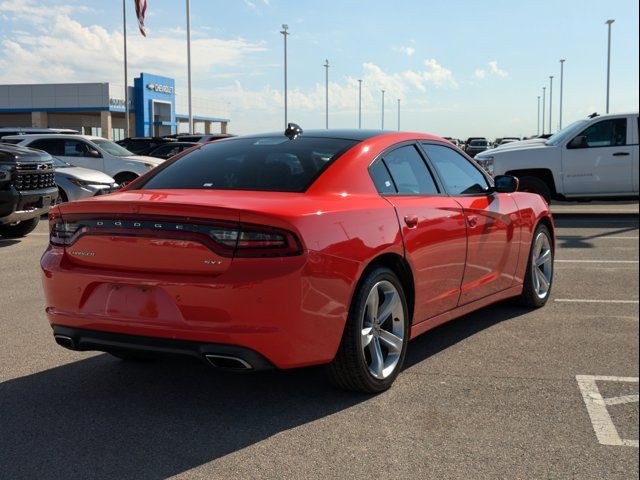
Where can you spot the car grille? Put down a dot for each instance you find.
(34, 176)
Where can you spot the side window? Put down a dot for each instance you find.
(608, 133)
(51, 146)
(459, 175)
(409, 172)
(381, 178)
(74, 148)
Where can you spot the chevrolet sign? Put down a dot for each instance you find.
(156, 87)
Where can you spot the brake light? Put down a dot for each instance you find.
(226, 239)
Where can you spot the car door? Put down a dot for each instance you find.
(492, 222)
(79, 153)
(602, 163)
(432, 226)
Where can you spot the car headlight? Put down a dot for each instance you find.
(79, 183)
(487, 163)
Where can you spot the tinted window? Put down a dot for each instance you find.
(381, 178)
(267, 163)
(409, 172)
(459, 175)
(51, 146)
(608, 133)
(74, 148)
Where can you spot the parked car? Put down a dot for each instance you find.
(504, 140)
(596, 157)
(476, 146)
(95, 153)
(27, 189)
(75, 183)
(143, 145)
(170, 149)
(199, 137)
(7, 131)
(327, 247)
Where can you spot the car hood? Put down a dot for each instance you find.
(84, 174)
(535, 143)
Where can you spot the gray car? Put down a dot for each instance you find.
(75, 183)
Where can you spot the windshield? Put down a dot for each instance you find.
(57, 163)
(112, 148)
(274, 164)
(478, 143)
(567, 132)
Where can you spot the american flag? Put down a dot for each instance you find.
(141, 9)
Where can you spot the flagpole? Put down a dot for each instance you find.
(126, 76)
(189, 65)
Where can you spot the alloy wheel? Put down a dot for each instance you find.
(542, 265)
(383, 331)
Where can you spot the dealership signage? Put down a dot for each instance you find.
(159, 88)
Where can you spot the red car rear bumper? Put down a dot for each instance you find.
(290, 310)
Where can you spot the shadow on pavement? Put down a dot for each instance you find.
(104, 418)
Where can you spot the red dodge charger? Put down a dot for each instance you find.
(283, 250)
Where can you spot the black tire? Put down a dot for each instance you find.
(536, 185)
(349, 370)
(529, 297)
(125, 178)
(62, 197)
(20, 229)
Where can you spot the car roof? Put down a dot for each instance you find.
(33, 136)
(342, 134)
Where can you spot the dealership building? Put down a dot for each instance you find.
(99, 108)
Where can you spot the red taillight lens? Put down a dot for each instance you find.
(228, 240)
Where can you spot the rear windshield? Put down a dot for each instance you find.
(274, 164)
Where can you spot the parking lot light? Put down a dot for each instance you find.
(544, 104)
(562, 60)
(359, 103)
(326, 93)
(550, 102)
(608, 23)
(285, 33)
(538, 124)
(382, 110)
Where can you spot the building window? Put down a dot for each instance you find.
(117, 134)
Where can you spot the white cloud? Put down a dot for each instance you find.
(493, 69)
(434, 73)
(408, 51)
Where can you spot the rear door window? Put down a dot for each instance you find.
(409, 172)
(52, 146)
(253, 163)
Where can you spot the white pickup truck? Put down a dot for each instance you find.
(596, 157)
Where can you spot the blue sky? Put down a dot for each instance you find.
(461, 68)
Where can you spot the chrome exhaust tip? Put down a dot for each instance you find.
(227, 362)
(64, 341)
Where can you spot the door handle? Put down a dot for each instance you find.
(472, 221)
(621, 154)
(411, 221)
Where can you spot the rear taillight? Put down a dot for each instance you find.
(229, 240)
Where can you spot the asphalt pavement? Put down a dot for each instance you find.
(501, 393)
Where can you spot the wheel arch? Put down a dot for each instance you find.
(546, 221)
(544, 174)
(398, 265)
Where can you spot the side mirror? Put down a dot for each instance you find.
(94, 154)
(579, 142)
(506, 184)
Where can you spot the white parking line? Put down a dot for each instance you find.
(577, 237)
(603, 426)
(596, 261)
(591, 300)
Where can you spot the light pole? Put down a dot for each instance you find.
(608, 22)
(326, 93)
(382, 109)
(538, 124)
(398, 114)
(285, 33)
(561, 90)
(550, 102)
(359, 103)
(189, 65)
(544, 104)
